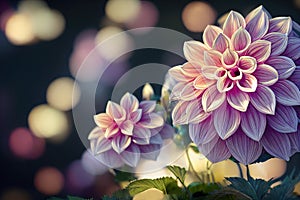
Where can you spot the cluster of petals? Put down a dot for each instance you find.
(239, 89)
(127, 132)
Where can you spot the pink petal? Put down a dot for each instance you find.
(248, 83)
(240, 40)
(212, 99)
(233, 22)
(203, 132)
(202, 82)
(115, 111)
(141, 135)
(284, 65)
(212, 58)
(103, 120)
(111, 131)
(257, 23)
(147, 106)
(276, 144)
(229, 58)
(177, 73)
(266, 75)
(191, 69)
(260, 50)
(287, 93)
(194, 51)
(176, 91)
(278, 41)
(210, 71)
(244, 149)
(195, 112)
(281, 25)
(224, 84)
(126, 127)
(253, 123)
(129, 102)
(263, 99)
(238, 100)
(210, 33)
(235, 74)
(221, 43)
(95, 133)
(111, 159)
(226, 120)
(136, 116)
(247, 64)
(292, 49)
(285, 119)
(131, 156)
(179, 114)
(218, 152)
(151, 120)
(120, 143)
(150, 151)
(190, 90)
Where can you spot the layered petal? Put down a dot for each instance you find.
(179, 114)
(238, 99)
(229, 58)
(295, 77)
(278, 41)
(284, 65)
(226, 120)
(248, 83)
(135, 116)
(263, 99)
(287, 93)
(111, 159)
(103, 120)
(212, 99)
(260, 50)
(129, 102)
(240, 40)
(112, 130)
(295, 142)
(203, 132)
(147, 106)
(285, 119)
(201, 82)
(126, 127)
(131, 156)
(224, 84)
(195, 112)
(292, 49)
(191, 69)
(115, 111)
(281, 25)
(210, 33)
(266, 75)
(253, 123)
(212, 58)
(120, 143)
(141, 135)
(218, 151)
(150, 151)
(100, 145)
(177, 73)
(232, 23)
(244, 149)
(247, 64)
(221, 43)
(210, 72)
(151, 120)
(194, 51)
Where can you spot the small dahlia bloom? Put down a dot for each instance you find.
(127, 132)
(239, 90)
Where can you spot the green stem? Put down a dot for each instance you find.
(248, 172)
(191, 164)
(240, 169)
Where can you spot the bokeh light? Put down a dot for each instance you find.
(92, 165)
(147, 91)
(121, 11)
(15, 194)
(222, 19)
(49, 181)
(118, 43)
(25, 145)
(63, 93)
(297, 188)
(47, 122)
(197, 15)
(147, 16)
(31, 6)
(19, 29)
(4, 16)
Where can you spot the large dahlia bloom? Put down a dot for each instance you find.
(239, 89)
(127, 132)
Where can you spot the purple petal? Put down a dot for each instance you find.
(126, 127)
(212, 99)
(111, 159)
(179, 114)
(195, 112)
(263, 99)
(226, 120)
(115, 111)
(278, 41)
(247, 64)
(248, 83)
(167, 132)
(141, 135)
(233, 22)
(295, 142)
(284, 65)
(120, 143)
(221, 43)
(103, 120)
(286, 93)
(136, 116)
(281, 25)
(131, 156)
(276, 144)
(260, 49)
(129, 102)
(238, 99)
(147, 106)
(292, 49)
(240, 40)
(150, 151)
(218, 151)
(111, 131)
(203, 132)
(253, 123)
(210, 33)
(156, 139)
(229, 58)
(212, 58)
(295, 77)
(244, 149)
(266, 75)
(194, 51)
(257, 23)
(224, 84)
(285, 119)
(151, 120)
(100, 145)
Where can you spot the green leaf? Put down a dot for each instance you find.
(227, 193)
(243, 186)
(179, 172)
(204, 188)
(124, 176)
(194, 148)
(260, 186)
(161, 184)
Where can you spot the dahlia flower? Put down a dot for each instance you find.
(127, 132)
(239, 89)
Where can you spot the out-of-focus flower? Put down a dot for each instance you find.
(239, 89)
(127, 132)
